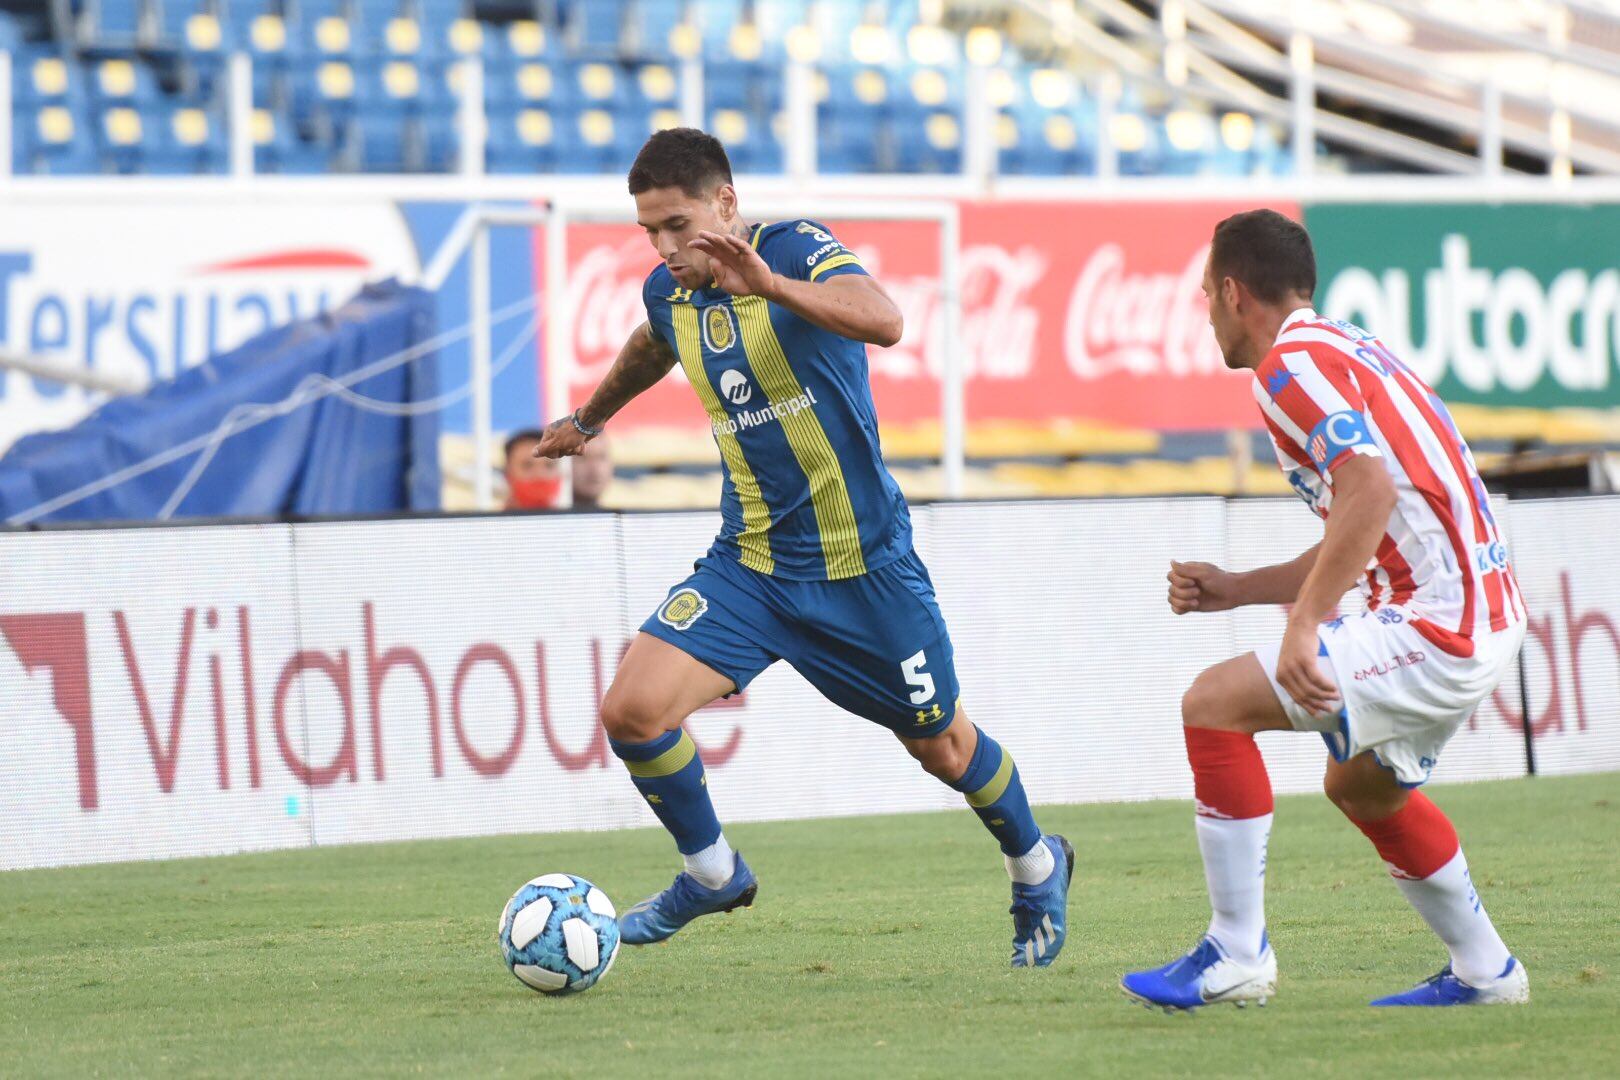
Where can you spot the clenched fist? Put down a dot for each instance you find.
(1199, 586)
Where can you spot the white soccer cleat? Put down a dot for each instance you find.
(1205, 976)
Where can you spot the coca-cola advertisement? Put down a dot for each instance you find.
(1080, 311)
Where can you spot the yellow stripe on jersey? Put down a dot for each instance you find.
(829, 495)
(759, 231)
(755, 539)
(846, 259)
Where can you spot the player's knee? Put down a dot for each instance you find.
(1359, 801)
(942, 756)
(1204, 706)
(631, 716)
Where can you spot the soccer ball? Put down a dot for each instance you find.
(559, 934)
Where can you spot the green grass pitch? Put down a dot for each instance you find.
(877, 946)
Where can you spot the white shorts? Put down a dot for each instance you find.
(1400, 696)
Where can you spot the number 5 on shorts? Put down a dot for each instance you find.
(912, 669)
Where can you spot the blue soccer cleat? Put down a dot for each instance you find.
(658, 917)
(1512, 987)
(1205, 976)
(1041, 912)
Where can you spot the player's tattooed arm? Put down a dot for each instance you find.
(850, 305)
(644, 360)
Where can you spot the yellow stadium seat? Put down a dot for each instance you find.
(190, 127)
(404, 36)
(534, 127)
(55, 125)
(123, 126)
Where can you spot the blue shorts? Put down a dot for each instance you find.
(875, 645)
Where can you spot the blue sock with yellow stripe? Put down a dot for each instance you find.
(992, 787)
(669, 774)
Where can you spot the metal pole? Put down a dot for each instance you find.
(471, 123)
(692, 92)
(6, 116)
(979, 157)
(1108, 93)
(1302, 90)
(241, 118)
(478, 303)
(802, 120)
(1559, 130)
(559, 354)
(87, 377)
(1490, 135)
(952, 400)
(1524, 713)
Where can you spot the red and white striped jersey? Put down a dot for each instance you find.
(1330, 390)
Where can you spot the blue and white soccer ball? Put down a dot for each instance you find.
(559, 934)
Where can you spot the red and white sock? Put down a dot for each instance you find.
(1420, 847)
(1233, 797)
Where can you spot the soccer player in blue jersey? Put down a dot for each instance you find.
(814, 563)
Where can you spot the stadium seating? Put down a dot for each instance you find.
(570, 86)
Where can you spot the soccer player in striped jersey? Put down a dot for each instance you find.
(1375, 454)
(814, 563)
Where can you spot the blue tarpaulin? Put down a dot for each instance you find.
(299, 448)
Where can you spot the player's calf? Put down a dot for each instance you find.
(1041, 867)
(1419, 846)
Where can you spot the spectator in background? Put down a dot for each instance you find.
(593, 473)
(531, 483)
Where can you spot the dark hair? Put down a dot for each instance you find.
(1269, 253)
(525, 435)
(684, 158)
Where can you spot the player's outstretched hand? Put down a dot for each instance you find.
(1200, 586)
(738, 268)
(560, 439)
(1299, 673)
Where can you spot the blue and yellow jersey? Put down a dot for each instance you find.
(806, 494)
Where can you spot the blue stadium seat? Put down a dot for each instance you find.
(752, 145)
(598, 142)
(324, 36)
(521, 42)
(522, 141)
(173, 15)
(717, 18)
(853, 120)
(650, 29)
(441, 146)
(39, 76)
(116, 22)
(121, 138)
(124, 80)
(277, 149)
(183, 140)
(595, 28)
(53, 139)
(386, 142)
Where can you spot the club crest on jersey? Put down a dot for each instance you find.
(682, 609)
(819, 235)
(719, 332)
